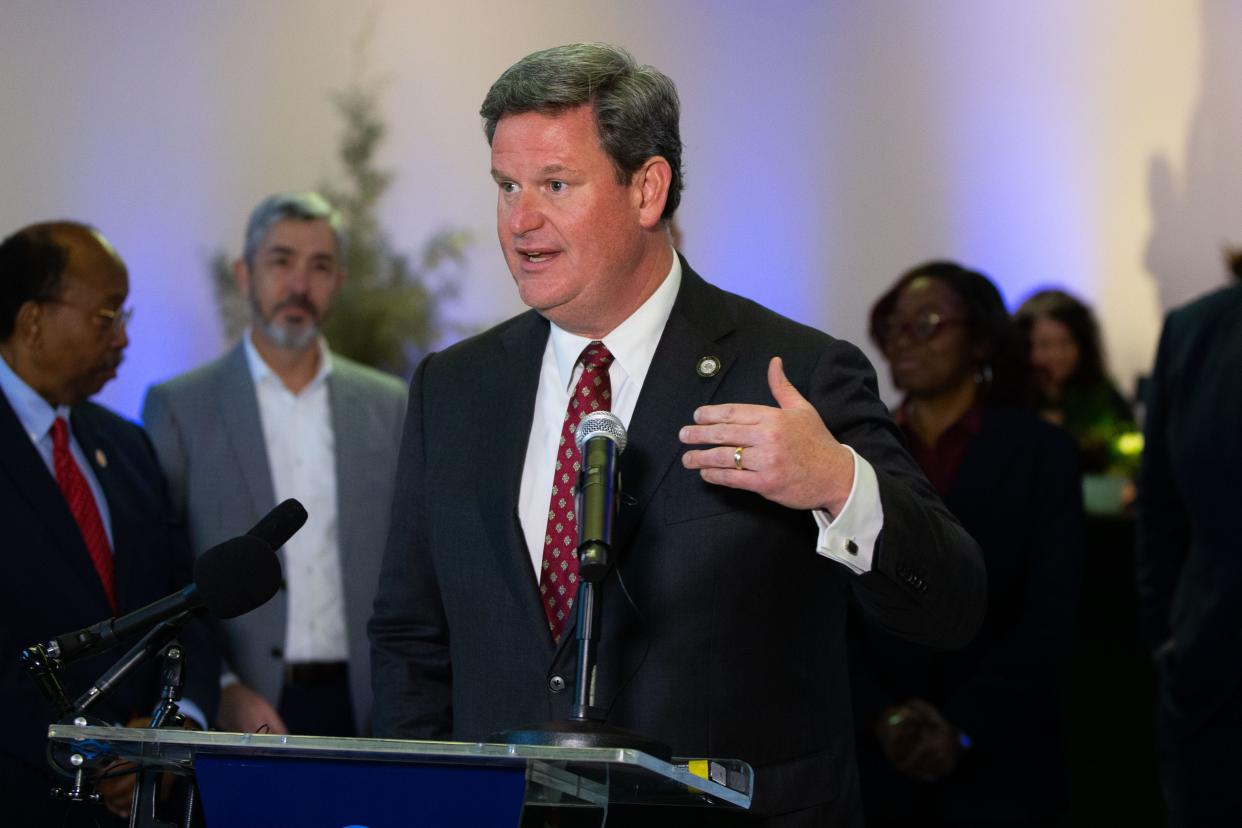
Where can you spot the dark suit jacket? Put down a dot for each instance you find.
(727, 638)
(50, 586)
(1189, 557)
(1018, 492)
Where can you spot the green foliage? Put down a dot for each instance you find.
(389, 312)
(233, 307)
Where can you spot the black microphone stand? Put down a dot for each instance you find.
(44, 669)
(160, 640)
(586, 726)
(149, 646)
(146, 791)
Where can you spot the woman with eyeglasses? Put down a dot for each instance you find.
(972, 736)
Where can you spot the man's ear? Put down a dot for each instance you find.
(26, 325)
(241, 277)
(651, 183)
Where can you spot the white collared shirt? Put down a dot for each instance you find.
(301, 453)
(633, 345)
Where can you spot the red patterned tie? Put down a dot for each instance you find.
(82, 503)
(558, 576)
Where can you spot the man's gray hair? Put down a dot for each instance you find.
(304, 206)
(636, 109)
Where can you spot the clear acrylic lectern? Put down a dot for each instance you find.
(247, 779)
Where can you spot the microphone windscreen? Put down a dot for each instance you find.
(236, 576)
(278, 525)
(600, 424)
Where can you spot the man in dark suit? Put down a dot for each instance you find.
(87, 526)
(1189, 558)
(723, 627)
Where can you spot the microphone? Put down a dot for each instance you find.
(230, 579)
(601, 438)
(280, 524)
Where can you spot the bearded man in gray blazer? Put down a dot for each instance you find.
(281, 416)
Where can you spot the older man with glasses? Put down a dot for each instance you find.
(88, 528)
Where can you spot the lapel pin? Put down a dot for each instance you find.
(709, 366)
(101, 459)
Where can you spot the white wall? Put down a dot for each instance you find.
(829, 146)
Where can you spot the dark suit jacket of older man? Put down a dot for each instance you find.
(723, 630)
(50, 587)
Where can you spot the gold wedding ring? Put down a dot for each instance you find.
(737, 458)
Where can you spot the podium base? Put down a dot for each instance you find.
(583, 734)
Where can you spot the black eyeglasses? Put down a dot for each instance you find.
(919, 330)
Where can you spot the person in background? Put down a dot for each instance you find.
(969, 736)
(278, 416)
(1072, 385)
(88, 530)
(1189, 557)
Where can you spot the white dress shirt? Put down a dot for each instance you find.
(301, 453)
(848, 538)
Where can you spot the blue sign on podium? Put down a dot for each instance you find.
(263, 791)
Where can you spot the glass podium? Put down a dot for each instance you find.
(249, 779)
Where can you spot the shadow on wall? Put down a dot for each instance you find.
(1192, 220)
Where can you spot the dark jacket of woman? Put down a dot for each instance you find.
(1017, 490)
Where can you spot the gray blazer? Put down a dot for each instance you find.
(206, 430)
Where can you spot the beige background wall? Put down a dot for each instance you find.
(829, 146)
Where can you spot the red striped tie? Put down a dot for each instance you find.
(85, 511)
(558, 576)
